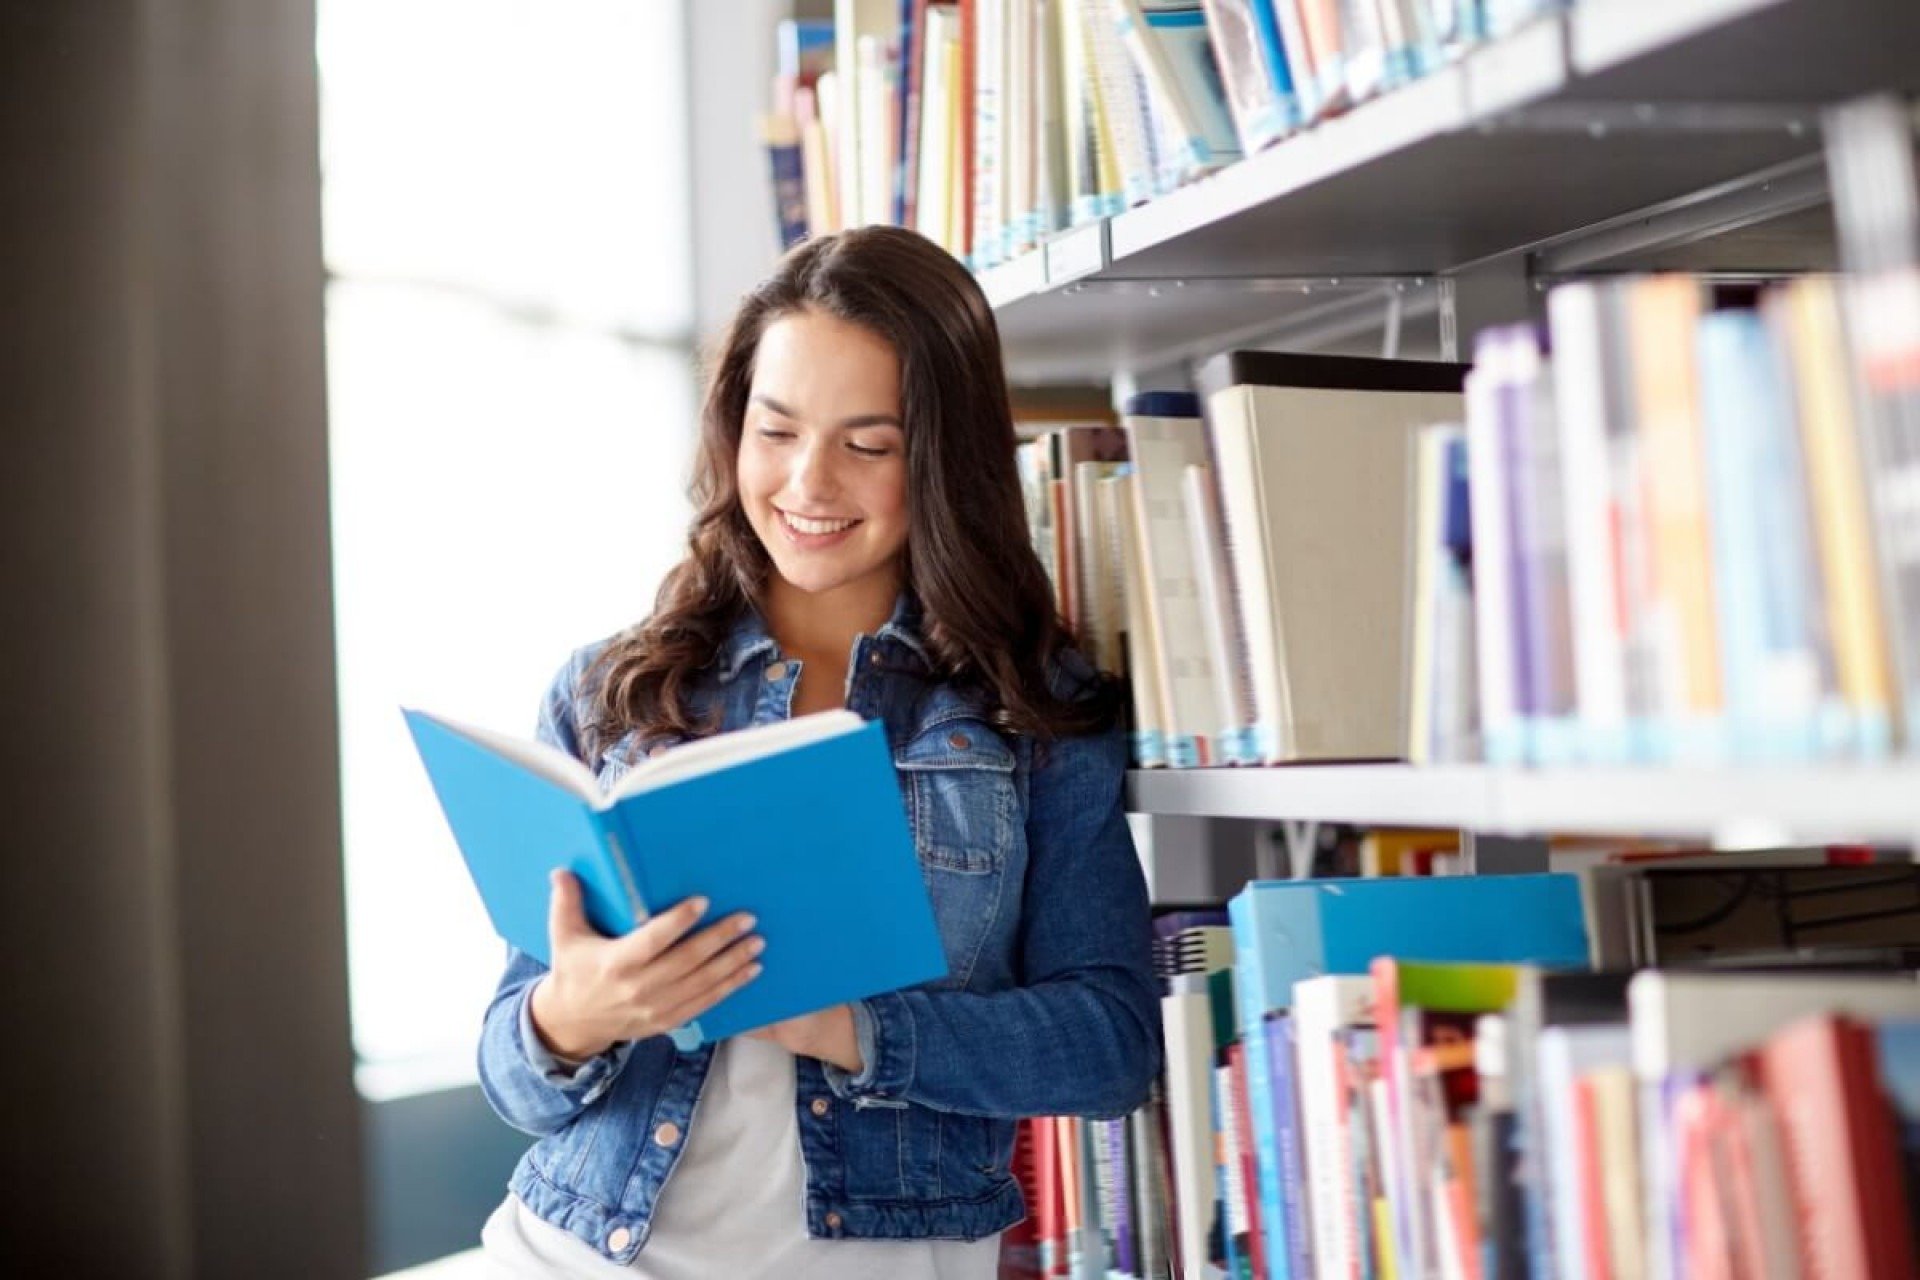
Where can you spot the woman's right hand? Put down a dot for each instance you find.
(603, 990)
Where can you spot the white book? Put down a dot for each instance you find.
(1143, 664)
(1017, 205)
(1220, 617)
(1487, 485)
(852, 21)
(1583, 403)
(878, 124)
(1170, 50)
(1102, 614)
(988, 25)
(1123, 101)
(933, 199)
(1161, 449)
(1050, 200)
(1322, 1007)
(1187, 1019)
(1314, 455)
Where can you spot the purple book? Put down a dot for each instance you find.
(1126, 1257)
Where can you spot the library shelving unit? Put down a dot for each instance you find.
(1615, 135)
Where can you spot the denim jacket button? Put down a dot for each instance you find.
(821, 1106)
(667, 1134)
(833, 1222)
(959, 741)
(776, 672)
(619, 1239)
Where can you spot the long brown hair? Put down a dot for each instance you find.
(987, 611)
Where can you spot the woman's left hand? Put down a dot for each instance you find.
(827, 1035)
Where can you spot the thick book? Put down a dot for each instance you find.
(1315, 460)
(838, 897)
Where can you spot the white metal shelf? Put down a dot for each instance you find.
(1733, 805)
(1617, 106)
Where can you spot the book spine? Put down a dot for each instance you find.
(1582, 407)
(1493, 604)
(787, 169)
(1260, 103)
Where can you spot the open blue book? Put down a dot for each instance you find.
(799, 823)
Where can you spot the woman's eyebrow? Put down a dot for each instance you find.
(857, 420)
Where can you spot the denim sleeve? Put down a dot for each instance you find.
(1081, 1034)
(527, 1086)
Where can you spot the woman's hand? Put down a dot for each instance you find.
(603, 990)
(827, 1035)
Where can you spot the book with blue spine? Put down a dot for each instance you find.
(1778, 673)
(839, 898)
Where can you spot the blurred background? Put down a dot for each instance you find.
(352, 353)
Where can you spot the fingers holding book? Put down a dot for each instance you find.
(654, 979)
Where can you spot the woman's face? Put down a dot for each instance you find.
(822, 467)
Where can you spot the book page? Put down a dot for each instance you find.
(548, 762)
(724, 750)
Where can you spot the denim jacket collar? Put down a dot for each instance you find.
(749, 637)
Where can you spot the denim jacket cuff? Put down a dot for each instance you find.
(884, 1031)
(592, 1076)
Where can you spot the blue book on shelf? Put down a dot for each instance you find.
(1285, 931)
(736, 818)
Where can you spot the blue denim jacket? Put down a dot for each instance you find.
(1049, 1006)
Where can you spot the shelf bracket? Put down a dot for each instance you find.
(1303, 838)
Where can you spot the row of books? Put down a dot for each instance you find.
(1495, 1112)
(1679, 542)
(1665, 528)
(988, 125)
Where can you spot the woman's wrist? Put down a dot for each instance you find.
(557, 1034)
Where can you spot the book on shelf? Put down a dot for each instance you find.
(1314, 455)
(1165, 436)
(839, 899)
(1875, 178)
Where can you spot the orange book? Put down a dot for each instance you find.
(1663, 318)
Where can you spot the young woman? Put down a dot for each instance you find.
(860, 542)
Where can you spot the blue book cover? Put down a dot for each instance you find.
(836, 888)
(1298, 929)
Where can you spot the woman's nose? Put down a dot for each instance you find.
(812, 475)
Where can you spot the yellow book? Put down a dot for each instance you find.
(1663, 320)
(1807, 312)
(1390, 852)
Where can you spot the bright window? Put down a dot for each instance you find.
(512, 407)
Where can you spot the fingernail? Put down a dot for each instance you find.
(753, 971)
(755, 947)
(746, 923)
(699, 906)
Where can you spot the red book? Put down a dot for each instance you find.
(1020, 1243)
(1837, 1128)
(1249, 1160)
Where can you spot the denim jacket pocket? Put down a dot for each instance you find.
(959, 779)
(960, 776)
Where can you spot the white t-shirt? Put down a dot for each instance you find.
(735, 1205)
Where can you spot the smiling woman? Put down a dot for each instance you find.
(860, 541)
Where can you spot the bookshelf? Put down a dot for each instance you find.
(1677, 135)
(1613, 110)
(1740, 805)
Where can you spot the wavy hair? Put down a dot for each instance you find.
(987, 609)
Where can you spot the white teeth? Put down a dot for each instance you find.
(801, 524)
